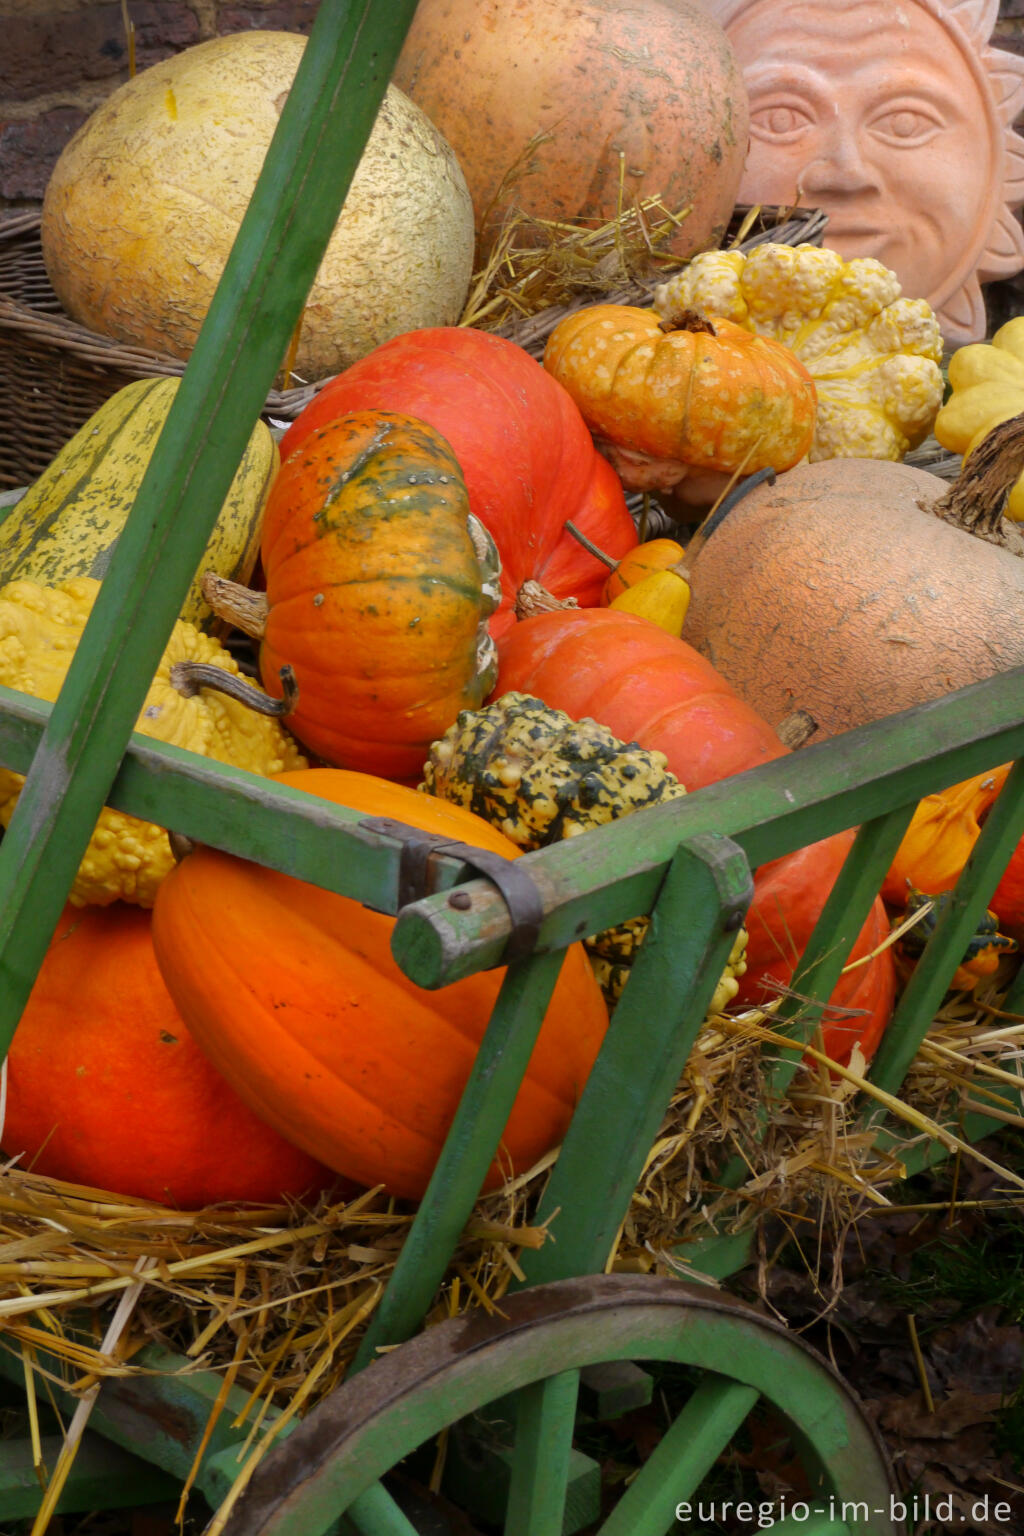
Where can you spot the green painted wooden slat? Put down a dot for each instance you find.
(822, 962)
(240, 812)
(595, 882)
(924, 991)
(375, 1513)
(545, 1416)
(468, 1151)
(769, 811)
(841, 920)
(684, 1455)
(652, 1032)
(318, 143)
(102, 1477)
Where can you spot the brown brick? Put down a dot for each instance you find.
(288, 16)
(57, 51)
(29, 151)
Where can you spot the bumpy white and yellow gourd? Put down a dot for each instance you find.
(874, 355)
(126, 859)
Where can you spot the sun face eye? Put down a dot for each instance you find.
(906, 125)
(781, 122)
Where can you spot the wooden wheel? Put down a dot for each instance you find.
(332, 1463)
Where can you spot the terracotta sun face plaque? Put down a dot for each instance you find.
(894, 117)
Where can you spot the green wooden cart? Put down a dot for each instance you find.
(687, 864)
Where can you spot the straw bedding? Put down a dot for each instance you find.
(276, 1299)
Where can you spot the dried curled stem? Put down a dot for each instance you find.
(532, 599)
(188, 677)
(237, 605)
(976, 501)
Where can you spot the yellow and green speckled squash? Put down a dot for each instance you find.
(68, 522)
(540, 776)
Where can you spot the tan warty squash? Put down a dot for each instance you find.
(854, 588)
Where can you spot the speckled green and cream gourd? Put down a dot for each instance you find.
(539, 776)
(68, 522)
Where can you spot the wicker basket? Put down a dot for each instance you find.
(57, 373)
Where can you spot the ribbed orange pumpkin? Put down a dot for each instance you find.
(598, 105)
(292, 991)
(375, 593)
(106, 1087)
(699, 394)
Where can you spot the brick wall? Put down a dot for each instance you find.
(60, 58)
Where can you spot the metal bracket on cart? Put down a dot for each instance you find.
(517, 889)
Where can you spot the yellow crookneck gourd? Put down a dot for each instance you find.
(663, 597)
(986, 380)
(40, 628)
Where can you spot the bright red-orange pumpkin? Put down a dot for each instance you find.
(648, 686)
(293, 992)
(527, 457)
(106, 1087)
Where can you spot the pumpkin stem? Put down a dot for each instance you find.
(797, 729)
(532, 599)
(240, 606)
(976, 501)
(588, 544)
(188, 677)
(687, 320)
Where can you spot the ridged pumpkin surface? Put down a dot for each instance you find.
(106, 1087)
(293, 993)
(716, 397)
(647, 686)
(605, 103)
(528, 460)
(833, 591)
(374, 592)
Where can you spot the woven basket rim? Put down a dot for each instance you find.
(61, 332)
(786, 225)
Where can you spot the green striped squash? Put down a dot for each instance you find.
(68, 522)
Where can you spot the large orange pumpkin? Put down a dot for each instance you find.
(106, 1087)
(633, 101)
(293, 992)
(648, 686)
